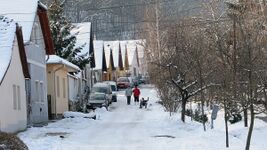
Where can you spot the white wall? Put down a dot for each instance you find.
(73, 88)
(37, 90)
(13, 118)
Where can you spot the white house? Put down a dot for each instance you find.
(114, 47)
(81, 80)
(13, 71)
(135, 54)
(82, 32)
(137, 64)
(76, 86)
(32, 16)
(100, 61)
(58, 71)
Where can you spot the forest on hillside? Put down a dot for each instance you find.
(125, 19)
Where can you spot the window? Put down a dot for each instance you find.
(37, 90)
(58, 88)
(42, 91)
(19, 97)
(14, 97)
(64, 88)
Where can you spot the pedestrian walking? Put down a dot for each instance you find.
(128, 94)
(136, 93)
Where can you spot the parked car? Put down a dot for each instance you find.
(123, 82)
(135, 81)
(114, 89)
(103, 88)
(144, 79)
(97, 100)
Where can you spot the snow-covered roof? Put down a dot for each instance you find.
(82, 32)
(107, 53)
(23, 12)
(7, 36)
(54, 59)
(114, 45)
(131, 46)
(98, 47)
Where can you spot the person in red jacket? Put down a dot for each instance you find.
(136, 93)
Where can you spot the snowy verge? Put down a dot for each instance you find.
(70, 114)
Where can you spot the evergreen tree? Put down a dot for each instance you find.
(64, 41)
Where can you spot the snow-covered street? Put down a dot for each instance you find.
(128, 127)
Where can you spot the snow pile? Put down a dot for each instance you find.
(7, 36)
(70, 114)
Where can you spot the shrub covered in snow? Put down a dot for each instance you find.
(235, 118)
(197, 116)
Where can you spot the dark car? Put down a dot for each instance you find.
(144, 79)
(123, 82)
(97, 100)
(103, 88)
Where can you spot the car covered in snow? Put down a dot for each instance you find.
(103, 88)
(114, 89)
(97, 100)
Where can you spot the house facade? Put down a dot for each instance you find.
(32, 16)
(128, 57)
(110, 74)
(13, 71)
(112, 59)
(36, 51)
(76, 85)
(57, 79)
(136, 57)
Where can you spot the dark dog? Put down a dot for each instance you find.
(143, 102)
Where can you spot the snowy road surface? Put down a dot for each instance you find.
(126, 127)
